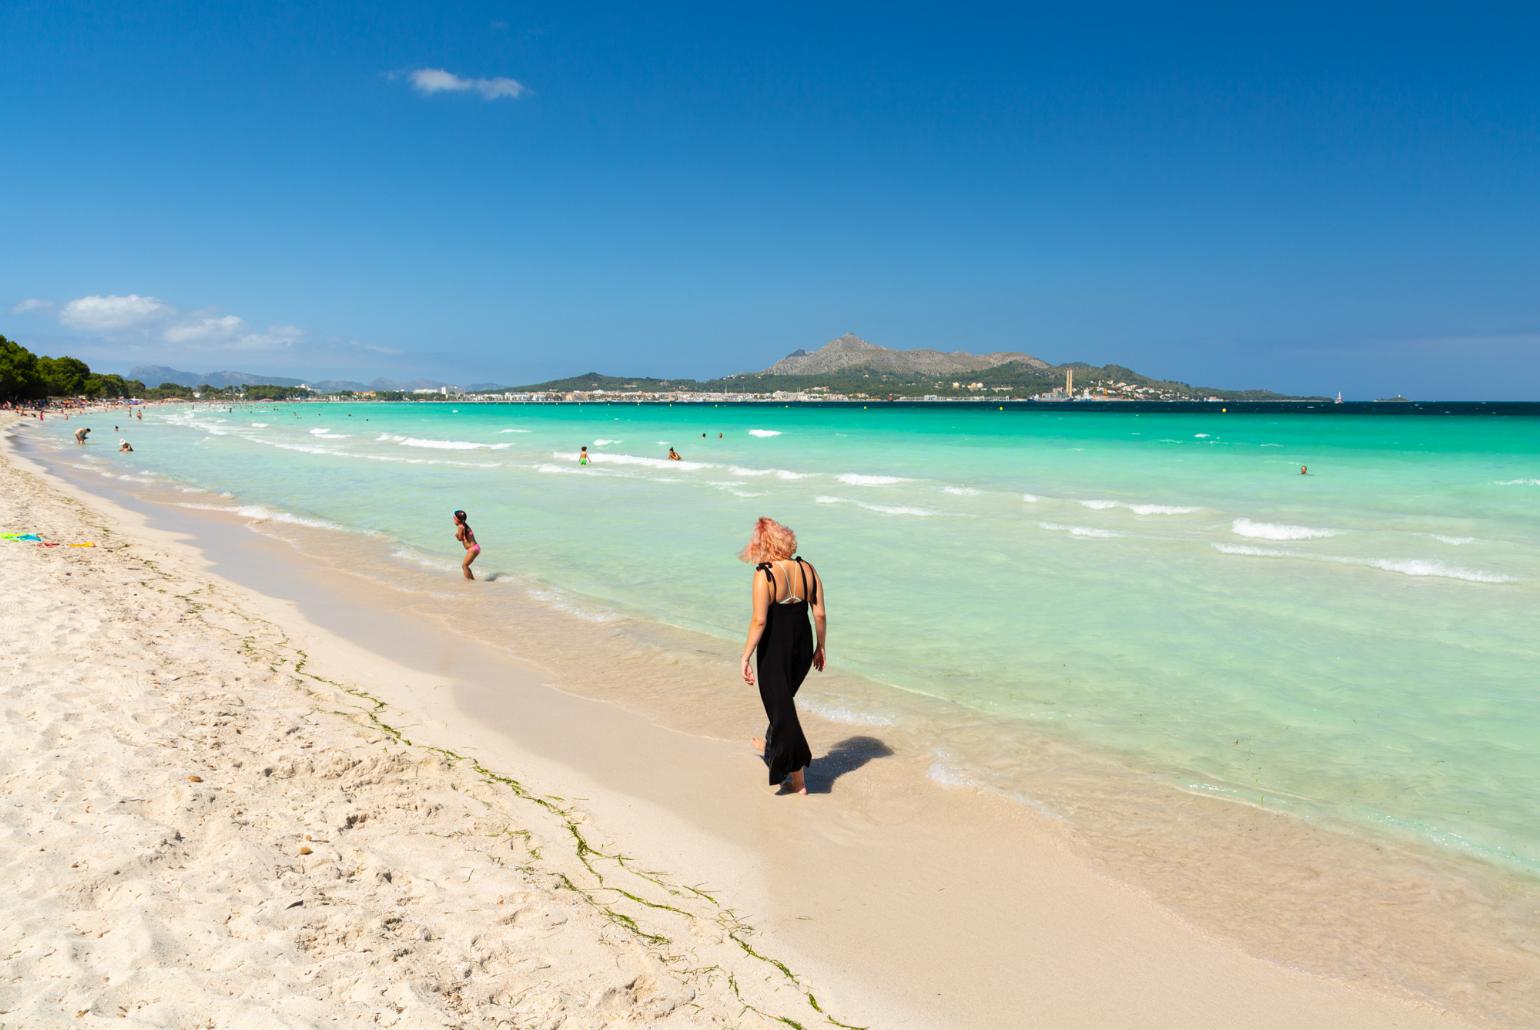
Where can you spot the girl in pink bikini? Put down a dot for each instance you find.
(465, 536)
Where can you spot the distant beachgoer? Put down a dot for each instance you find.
(673, 455)
(1304, 470)
(124, 447)
(785, 588)
(583, 455)
(465, 536)
(719, 436)
(81, 434)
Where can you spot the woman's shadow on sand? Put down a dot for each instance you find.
(845, 757)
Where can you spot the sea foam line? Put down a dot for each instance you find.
(439, 445)
(863, 479)
(764, 432)
(1403, 566)
(1277, 531)
(1085, 531)
(1140, 509)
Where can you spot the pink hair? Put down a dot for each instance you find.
(770, 541)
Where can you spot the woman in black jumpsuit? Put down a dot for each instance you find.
(780, 635)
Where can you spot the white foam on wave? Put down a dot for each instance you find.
(764, 432)
(259, 425)
(1518, 482)
(515, 430)
(862, 479)
(566, 470)
(1200, 436)
(327, 434)
(257, 513)
(1252, 552)
(1457, 541)
(1420, 567)
(1083, 531)
(1030, 498)
(562, 603)
(945, 772)
(1278, 531)
(960, 491)
(1403, 566)
(899, 509)
(880, 509)
(439, 445)
(606, 443)
(1140, 509)
(418, 558)
(847, 716)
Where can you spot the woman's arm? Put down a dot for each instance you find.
(820, 621)
(760, 611)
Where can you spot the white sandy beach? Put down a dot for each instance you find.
(219, 812)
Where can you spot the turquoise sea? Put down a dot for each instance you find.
(1357, 644)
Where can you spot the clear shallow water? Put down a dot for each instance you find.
(1356, 644)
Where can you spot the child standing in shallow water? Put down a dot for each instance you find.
(464, 534)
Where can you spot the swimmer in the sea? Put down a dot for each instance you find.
(81, 433)
(583, 455)
(124, 447)
(465, 536)
(1304, 470)
(673, 455)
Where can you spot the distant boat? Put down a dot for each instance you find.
(1339, 397)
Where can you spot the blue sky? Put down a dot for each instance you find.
(1303, 198)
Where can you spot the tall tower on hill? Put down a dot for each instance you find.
(1069, 382)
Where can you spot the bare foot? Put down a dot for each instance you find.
(758, 744)
(796, 783)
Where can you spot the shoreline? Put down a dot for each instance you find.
(903, 830)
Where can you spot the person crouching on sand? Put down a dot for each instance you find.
(785, 588)
(465, 536)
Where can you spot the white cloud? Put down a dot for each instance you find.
(274, 337)
(208, 329)
(437, 80)
(21, 307)
(112, 312)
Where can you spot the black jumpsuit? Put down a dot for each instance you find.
(784, 656)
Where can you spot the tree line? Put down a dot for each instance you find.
(25, 376)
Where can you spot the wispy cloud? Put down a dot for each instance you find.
(209, 329)
(437, 80)
(102, 313)
(139, 322)
(21, 307)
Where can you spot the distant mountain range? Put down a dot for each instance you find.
(845, 365)
(851, 365)
(849, 352)
(154, 375)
